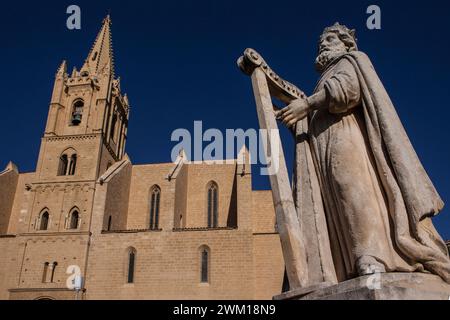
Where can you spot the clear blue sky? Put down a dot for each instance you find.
(177, 64)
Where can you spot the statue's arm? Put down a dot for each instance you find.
(340, 93)
(342, 90)
(318, 100)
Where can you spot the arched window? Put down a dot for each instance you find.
(63, 163)
(154, 207)
(43, 225)
(131, 265)
(77, 112)
(204, 264)
(113, 127)
(68, 162)
(44, 274)
(213, 199)
(72, 165)
(53, 267)
(74, 220)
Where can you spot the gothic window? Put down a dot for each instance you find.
(74, 220)
(120, 137)
(72, 165)
(43, 225)
(68, 163)
(113, 127)
(154, 207)
(131, 265)
(77, 112)
(204, 264)
(53, 267)
(63, 163)
(212, 205)
(44, 274)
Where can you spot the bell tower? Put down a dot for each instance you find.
(86, 132)
(88, 117)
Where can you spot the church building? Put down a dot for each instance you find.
(156, 231)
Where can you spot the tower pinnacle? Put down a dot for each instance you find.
(100, 58)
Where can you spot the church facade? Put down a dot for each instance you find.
(158, 231)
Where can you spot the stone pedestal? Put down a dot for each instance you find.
(382, 286)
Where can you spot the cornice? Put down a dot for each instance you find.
(73, 137)
(54, 234)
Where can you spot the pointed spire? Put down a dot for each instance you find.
(243, 155)
(100, 58)
(244, 161)
(74, 72)
(11, 166)
(62, 70)
(179, 163)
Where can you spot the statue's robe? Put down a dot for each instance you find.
(377, 197)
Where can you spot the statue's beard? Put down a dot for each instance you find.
(326, 57)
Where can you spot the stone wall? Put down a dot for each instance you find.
(242, 266)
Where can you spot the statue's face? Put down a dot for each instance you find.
(331, 42)
(330, 47)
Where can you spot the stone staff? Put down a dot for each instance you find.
(265, 85)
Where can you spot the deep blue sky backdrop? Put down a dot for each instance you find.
(177, 64)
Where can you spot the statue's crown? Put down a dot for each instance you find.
(342, 29)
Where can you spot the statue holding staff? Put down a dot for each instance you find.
(378, 199)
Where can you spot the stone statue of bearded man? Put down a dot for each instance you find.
(377, 197)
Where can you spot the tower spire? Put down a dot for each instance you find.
(62, 70)
(100, 58)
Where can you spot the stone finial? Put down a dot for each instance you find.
(244, 161)
(62, 70)
(11, 166)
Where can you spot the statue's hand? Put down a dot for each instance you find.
(296, 111)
